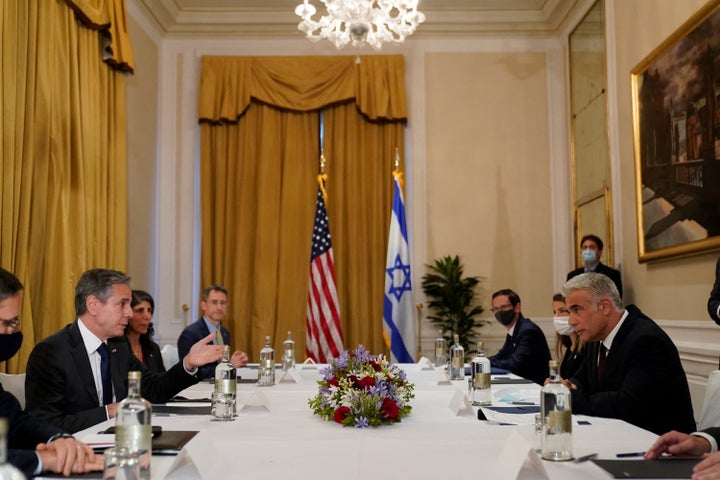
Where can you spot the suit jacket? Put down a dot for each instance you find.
(24, 433)
(526, 353)
(643, 381)
(192, 334)
(605, 270)
(714, 300)
(59, 384)
(151, 352)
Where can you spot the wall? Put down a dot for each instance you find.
(142, 117)
(673, 292)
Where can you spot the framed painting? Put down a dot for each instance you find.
(676, 134)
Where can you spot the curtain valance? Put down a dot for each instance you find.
(109, 18)
(376, 84)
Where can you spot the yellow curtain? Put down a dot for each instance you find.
(259, 160)
(63, 195)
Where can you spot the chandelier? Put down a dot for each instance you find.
(360, 22)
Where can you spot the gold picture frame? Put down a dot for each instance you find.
(676, 135)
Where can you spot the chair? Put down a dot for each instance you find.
(711, 405)
(169, 355)
(15, 384)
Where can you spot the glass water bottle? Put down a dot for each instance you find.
(223, 405)
(288, 358)
(441, 351)
(266, 375)
(556, 417)
(457, 360)
(480, 384)
(133, 427)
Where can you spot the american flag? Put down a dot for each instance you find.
(323, 333)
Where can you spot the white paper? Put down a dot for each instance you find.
(308, 364)
(99, 440)
(291, 375)
(442, 377)
(513, 456)
(425, 364)
(460, 405)
(257, 402)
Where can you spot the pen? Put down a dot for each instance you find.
(585, 458)
(630, 454)
(524, 403)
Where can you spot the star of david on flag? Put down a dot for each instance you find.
(398, 323)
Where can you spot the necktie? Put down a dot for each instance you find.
(219, 337)
(602, 357)
(105, 373)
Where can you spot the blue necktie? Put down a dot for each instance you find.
(105, 373)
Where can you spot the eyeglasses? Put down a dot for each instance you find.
(502, 308)
(12, 323)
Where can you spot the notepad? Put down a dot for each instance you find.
(670, 467)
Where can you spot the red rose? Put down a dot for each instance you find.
(366, 382)
(390, 409)
(341, 413)
(333, 382)
(375, 365)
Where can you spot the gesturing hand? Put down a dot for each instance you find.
(203, 352)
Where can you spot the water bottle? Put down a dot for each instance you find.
(288, 358)
(133, 427)
(266, 375)
(441, 351)
(223, 399)
(457, 360)
(480, 384)
(556, 417)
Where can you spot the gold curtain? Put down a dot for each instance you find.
(63, 195)
(259, 161)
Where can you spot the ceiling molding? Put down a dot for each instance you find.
(277, 17)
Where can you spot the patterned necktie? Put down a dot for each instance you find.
(105, 373)
(602, 357)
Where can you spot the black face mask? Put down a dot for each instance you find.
(9, 345)
(505, 318)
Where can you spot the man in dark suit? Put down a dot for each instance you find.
(713, 304)
(34, 445)
(632, 371)
(525, 352)
(591, 247)
(213, 304)
(67, 381)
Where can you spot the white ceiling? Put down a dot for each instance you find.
(277, 17)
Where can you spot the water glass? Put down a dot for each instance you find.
(223, 406)
(120, 464)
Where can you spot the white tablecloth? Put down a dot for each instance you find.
(433, 442)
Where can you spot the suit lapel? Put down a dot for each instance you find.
(82, 362)
(115, 371)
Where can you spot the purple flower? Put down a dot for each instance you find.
(361, 422)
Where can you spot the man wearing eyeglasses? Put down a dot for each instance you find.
(35, 446)
(525, 352)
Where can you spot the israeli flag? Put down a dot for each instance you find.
(398, 322)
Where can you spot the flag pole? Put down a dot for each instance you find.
(419, 326)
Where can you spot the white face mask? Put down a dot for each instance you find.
(561, 326)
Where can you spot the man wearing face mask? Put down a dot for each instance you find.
(525, 352)
(34, 446)
(591, 248)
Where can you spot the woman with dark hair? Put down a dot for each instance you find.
(568, 345)
(139, 331)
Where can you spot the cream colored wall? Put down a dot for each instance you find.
(675, 289)
(488, 177)
(142, 112)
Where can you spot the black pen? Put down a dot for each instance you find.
(585, 458)
(524, 403)
(630, 454)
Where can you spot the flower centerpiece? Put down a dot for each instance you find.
(361, 390)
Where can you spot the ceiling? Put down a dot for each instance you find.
(277, 17)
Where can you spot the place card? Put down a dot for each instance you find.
(515, 452)
(425, 364)
(460, 405)
(257, 402)
(291, 375)
(442, 377)
(308, 364)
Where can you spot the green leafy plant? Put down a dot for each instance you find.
(451, 299)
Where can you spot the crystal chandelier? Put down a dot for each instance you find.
(360, 22)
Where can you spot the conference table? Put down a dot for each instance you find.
(275, 435)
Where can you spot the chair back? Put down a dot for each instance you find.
(15, 384)
(711, 406)
(169, 356)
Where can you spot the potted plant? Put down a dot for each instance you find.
(451, 299)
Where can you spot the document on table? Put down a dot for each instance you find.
(670, 467)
